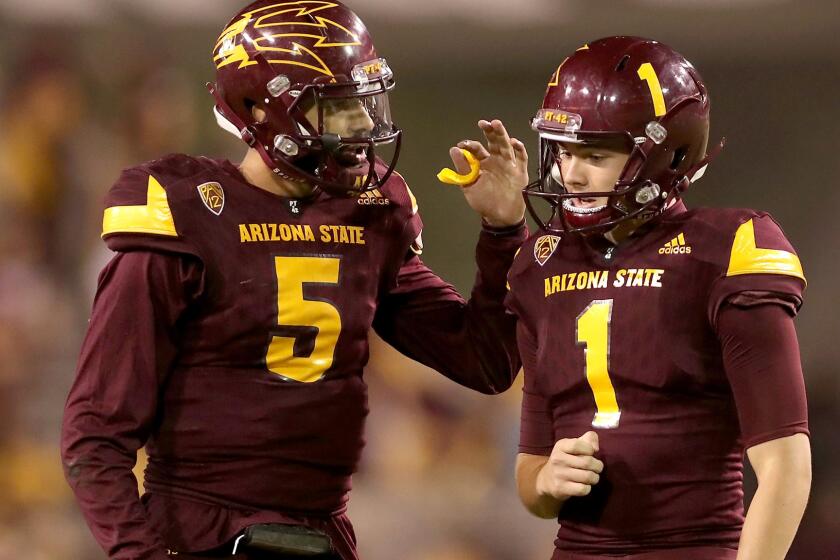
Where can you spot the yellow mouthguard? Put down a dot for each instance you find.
(451, 177)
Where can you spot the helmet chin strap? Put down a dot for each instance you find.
(225, 124)
(227, 119)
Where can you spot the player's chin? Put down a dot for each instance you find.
(358, 170)
(587, 213)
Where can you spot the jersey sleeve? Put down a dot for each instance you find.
(472, 343)
(138, 214)
(130, 345)
(536, 428)
(762, 362)
(762, 267)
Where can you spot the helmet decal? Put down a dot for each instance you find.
(555, 78)
(277, 44)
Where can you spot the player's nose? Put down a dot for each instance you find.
(361, 125)
(574, 178)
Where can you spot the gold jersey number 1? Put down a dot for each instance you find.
(593, 333)
(294, 310)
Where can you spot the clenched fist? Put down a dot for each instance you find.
(572, 468)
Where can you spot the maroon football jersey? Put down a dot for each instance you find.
(243, 373)
(291, 294)
(623, 340)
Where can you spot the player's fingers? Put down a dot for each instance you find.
(459, 161)
(519, 152)
(475, 148)
(498, 141)
(576, 489)
(583, 462)
(582, 476)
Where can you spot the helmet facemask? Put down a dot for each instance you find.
(333, 133)
(347, 130)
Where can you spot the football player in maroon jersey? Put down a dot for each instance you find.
(658, 342)
(229, 332)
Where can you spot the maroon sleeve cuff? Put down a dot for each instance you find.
(536, 432)
(494, 255)
(514, 229)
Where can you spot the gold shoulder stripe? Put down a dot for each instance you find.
(155, 217)
(414, 206)
(746, 258)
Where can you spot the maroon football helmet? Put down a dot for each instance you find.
(299, 57)
(632, 90)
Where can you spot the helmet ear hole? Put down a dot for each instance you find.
(256, 113)
(679, 156)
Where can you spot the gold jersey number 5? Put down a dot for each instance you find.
(295, 310)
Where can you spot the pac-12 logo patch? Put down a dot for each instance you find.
(212, 196)
(545, 247)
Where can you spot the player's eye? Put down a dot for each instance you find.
(338, 105)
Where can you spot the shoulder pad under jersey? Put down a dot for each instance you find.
(405, 208)
(138, 212)
(755, 257)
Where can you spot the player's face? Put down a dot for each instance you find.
(587, 168)
(347, 118)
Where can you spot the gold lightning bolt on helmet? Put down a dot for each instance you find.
(311, 70)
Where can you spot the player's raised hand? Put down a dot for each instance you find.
(496, 193)
(572, 468)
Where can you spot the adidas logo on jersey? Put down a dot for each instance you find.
(676, 246)
(373, 198)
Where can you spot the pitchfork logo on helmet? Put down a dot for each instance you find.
(277, 45)
(630, 90)
(302, 84)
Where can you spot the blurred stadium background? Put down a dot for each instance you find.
(88, 87)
